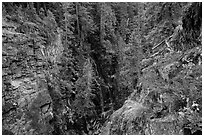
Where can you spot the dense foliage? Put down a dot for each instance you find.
(95, 56)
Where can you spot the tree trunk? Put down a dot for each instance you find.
(101, 42)
(78, 28)
(66, 29)
(38, 7)
(117, 49)
(80, 51)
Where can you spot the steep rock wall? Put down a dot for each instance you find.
(27, 106)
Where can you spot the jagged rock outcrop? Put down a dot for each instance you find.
(27, 106)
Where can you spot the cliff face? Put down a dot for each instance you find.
(26, 102)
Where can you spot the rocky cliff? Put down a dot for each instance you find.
(27, 106)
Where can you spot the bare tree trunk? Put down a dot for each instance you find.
(80, 51)
(101, 42)
(78, 29)
(45, 8)
(38, 8)
(66, 29)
